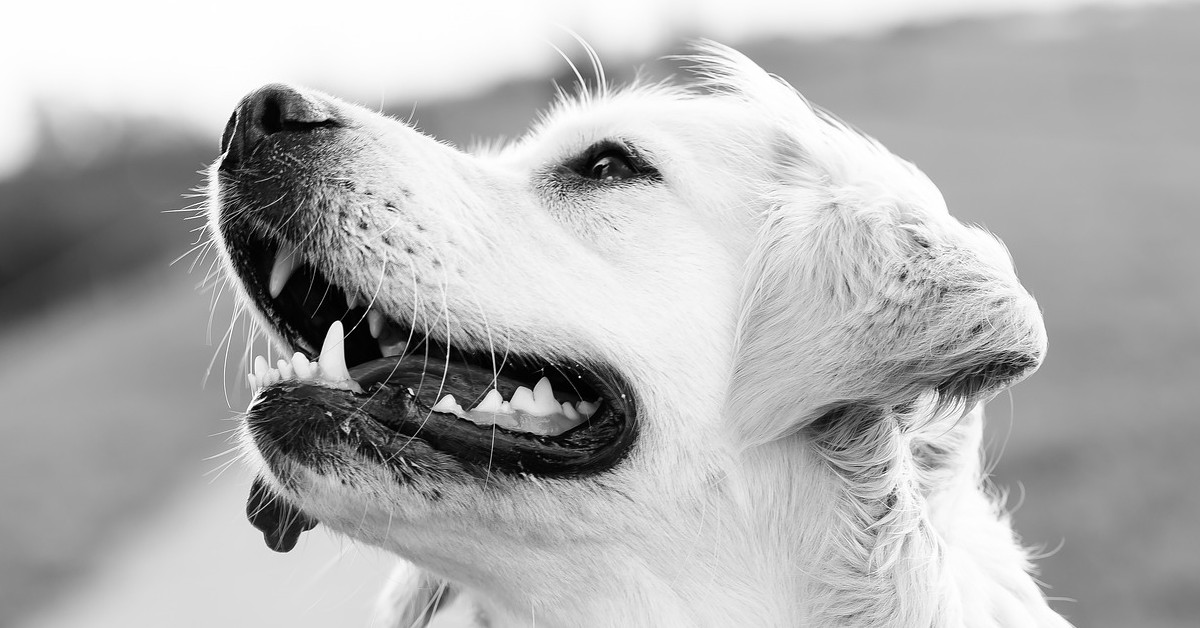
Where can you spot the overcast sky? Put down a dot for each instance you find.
(192, 61)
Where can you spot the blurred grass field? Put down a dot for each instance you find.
(1073, 138)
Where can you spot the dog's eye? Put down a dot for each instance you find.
(610, 161)
(610, 165)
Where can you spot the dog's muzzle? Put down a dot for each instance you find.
(363, 382)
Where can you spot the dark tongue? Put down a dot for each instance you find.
(280, 522)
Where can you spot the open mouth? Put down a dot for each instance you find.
(491, 411)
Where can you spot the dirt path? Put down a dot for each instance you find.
(198, 562)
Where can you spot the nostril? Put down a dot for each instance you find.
(271, 118)
(282, 108)
(267, 111)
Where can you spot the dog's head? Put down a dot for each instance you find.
(580, 370)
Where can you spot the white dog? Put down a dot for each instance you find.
(681, 356)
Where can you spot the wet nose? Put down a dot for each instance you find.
(268, 110)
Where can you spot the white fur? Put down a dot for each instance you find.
(810, 334)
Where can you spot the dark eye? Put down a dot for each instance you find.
(609, 165)
(610, 161)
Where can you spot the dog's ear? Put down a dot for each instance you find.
(860, 288)
(872, 294)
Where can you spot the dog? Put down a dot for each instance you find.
(698, 355)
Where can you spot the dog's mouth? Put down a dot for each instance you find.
(492, 412)
(365, 386)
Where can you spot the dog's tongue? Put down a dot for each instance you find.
(280, 522)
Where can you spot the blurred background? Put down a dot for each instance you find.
(1068, 127)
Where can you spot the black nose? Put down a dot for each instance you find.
(266, 111)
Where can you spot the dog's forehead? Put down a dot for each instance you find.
(656, 119)
(779, 137)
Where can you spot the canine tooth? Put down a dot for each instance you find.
(375, 323)
(522, 400)
(568, 411)
(491, 402)
(333, 354)
(285, 369)
(286, 263)
(302, 367)
(447, 404)
(588, 409)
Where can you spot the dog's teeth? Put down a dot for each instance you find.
(375, 322)
(330, 370)
(253, 382)
(534, 411)
(302, 367)
(491, 402)
(539, 402)
(333, 354)
(287, 260)
(285, 369)
(543, 398)
(588, 409)
(260, 367)
(447, 404)
(522, 400)
(351, 300)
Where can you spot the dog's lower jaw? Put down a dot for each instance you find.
(959, 567)
(701, 570)
(701, 589)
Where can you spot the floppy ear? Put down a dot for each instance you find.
(871, 295)
(860, 288)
